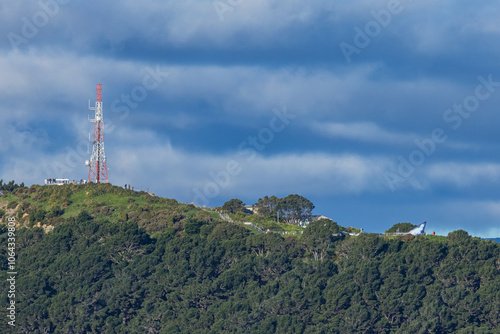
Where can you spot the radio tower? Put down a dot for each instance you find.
(98, 171)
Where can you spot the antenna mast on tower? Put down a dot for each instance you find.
(98, 170)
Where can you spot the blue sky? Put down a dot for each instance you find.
(379, 112)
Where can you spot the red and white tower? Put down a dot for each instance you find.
(98, 170)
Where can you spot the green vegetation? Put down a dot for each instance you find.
(234, 205)
(401, 228)
(292, 209)
(119, 261)
(54, 205)
(11, 186)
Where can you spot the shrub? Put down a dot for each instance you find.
(11, 204)
(406, 237)
(401, 228)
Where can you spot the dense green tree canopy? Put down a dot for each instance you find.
(295, 209)
(266, 206)
(11, 186)
(234, 205)
(292, 209)
(319, 237)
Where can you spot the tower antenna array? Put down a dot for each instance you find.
(98, 170)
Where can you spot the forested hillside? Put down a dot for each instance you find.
(117, 261)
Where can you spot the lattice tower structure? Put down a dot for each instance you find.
(98, 169)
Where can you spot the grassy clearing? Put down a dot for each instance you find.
(436, 238)
(290, 228)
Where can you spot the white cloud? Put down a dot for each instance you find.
(463, 175)
(315, 174)
(227, 91)
(365, 131)
(144, 160)
(175, 172)
(172, 23)
(19, 140)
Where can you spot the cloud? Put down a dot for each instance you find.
(175, 172)
(366, 131)
(146, 160)
(464, 175)
(314, 174)
(17, 140)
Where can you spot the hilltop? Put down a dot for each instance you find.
(50, 206)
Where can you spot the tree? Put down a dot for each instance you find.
(266, 206)
(37, 215)
(56, 211)
(459, 236)
(319, 237)
(234, 205)
(294, 209)
(11, 186)
(83, 217)
(401, 228)
(192, 226)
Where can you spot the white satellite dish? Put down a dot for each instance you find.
(87, 163)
